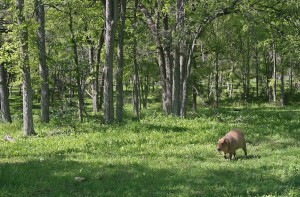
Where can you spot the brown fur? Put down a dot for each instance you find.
(231, 142)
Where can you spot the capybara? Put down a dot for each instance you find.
(231, 142)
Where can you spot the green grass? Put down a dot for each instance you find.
(157, 155)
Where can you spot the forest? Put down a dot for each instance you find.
(130, 97)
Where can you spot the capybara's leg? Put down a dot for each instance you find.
(245, 150)
(230, 156)
(233, 155)
(224, 155)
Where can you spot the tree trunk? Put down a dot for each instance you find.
(291, 79)
(232, 80)
(166, 96)
(4, 94)
(221, 78)
(209, 85)
(135, 93)
(180, 14)
(146, 88)
(120, 62)
(110, 21)
(194, 91)
(168, 65)
(282, 85)
(140, 90)
(54, 82)
(247, 71)
(101, 91)
(28, 128)
(186, 79)
(45, 98)
(257, 71)
(217, 79)
(98, 90)
(77, 69)
(186, 65)
(184, 73)
(93, 71)
(70, 100)
(274, 72)
(268, 81)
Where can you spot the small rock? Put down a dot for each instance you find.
(80, 179)
(8, 139)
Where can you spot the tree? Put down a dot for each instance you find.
(5, 109)
(179, 59)
(28, 128)
(77, 68)
(135, 90)
(4, 92)
(120, 65)
(45, 99)
(111, 11)
(164, 66)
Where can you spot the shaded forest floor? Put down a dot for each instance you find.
(157, 155)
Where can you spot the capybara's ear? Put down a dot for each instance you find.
(225, 141)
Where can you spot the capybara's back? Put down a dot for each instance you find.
(231, 142)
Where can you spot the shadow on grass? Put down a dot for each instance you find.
(57, 178)
(165, 129)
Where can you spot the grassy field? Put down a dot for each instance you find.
(157, 155)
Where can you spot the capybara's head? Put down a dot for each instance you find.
(222, 145)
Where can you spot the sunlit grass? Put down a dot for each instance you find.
(157, 155)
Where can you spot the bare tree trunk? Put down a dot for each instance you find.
(45, 98)
(274, 72)
(268, 86)
(135, 95)
(257, 71)
(186, 79)
(4, 95)
(111, 24)
(180, 14)
(247, 71)
(166, 96)
(231, 83)
(228, 79)
(101, 91)
(120, 64)
(93, 72)
(28, 128)
(291, 79)
(186, 65)
(70, 101)
(208, 85)
(98, 90)
(54, 76)
(194, 81)
(146, 88)
(167, 54)
(140, 90)
(282, 85)
(77, 69)
(217, 79)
